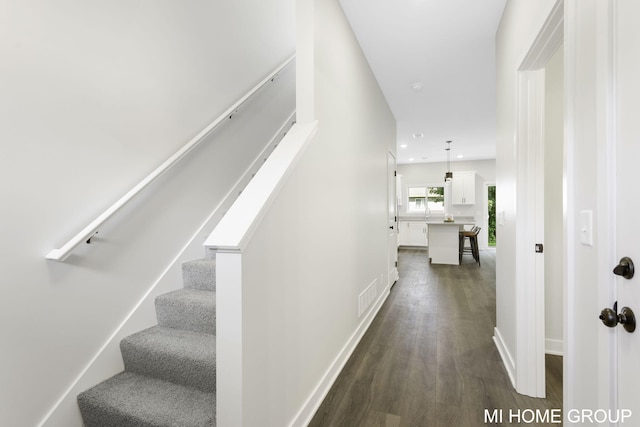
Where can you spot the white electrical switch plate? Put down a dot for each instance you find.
(586, 228)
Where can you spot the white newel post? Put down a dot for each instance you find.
(229, 389)
(229, 240)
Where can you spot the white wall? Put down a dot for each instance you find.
(589, 179)
(324, 238)
(521, 22)
(554, 263)
(94, 97)
(421, 174)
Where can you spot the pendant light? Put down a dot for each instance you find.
(448, 176)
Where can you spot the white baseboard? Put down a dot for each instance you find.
(507, 360)
(553, 347)
(394, 275)
(308, 410)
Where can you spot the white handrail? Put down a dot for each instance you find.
(90, 230)
(235, 229)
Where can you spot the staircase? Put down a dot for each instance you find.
(170, 369)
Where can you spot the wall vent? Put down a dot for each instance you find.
(367, 297)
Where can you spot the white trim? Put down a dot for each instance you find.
(507, 359)
(530, 379)
(392, 243)
(313, 402)
(569, 209)
(530, 343)
(235, 229)
(553, 347)
(548, 40)
(395, 275)
(229, 340)
(607, 225)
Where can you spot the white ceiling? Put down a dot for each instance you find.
(448, 46)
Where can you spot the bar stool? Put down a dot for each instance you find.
(473, 243)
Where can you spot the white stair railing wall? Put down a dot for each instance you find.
(164, 226)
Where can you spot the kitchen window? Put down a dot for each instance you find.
(431, 197)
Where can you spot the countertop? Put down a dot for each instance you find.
(438, 219)
(451, 223)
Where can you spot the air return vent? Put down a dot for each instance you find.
(367, 297)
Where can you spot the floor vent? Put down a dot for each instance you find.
(367, 297)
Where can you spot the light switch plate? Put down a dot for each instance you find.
(586, 228)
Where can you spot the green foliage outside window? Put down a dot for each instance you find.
(426, 197)
(492, 215)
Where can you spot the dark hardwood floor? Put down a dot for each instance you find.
(428, 358)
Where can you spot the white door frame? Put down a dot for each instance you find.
(530, 328)
(392, 219)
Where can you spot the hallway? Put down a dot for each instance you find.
(428, 358)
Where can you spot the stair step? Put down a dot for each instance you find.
(200, 274)
(179, 356)
(132, 400)
(189, 309)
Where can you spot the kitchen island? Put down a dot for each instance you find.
(443, 241)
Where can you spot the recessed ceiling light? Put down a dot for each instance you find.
(411, 159)
(418, 135)
(417, 86)
(403, 146)
(460, 156)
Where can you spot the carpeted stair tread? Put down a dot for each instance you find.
(170, 369)
(180, 356)
(132, 400)
(200, 274)
(189, 309)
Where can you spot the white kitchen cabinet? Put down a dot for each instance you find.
(403, 233)
(412, 233)
(463, 188)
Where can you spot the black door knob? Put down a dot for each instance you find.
(624, 268)
(627, 319)
(609, 317)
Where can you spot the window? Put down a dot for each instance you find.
(431, 197)
(417, 199)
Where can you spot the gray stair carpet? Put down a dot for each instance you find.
(170, 370)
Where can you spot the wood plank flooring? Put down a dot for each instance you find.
(428, 358)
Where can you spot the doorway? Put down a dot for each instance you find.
(491, 216)
(553, 202)
(530, 223)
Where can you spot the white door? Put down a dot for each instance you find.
(392, 219)
(627, 101)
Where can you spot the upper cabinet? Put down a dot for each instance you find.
(463, 189)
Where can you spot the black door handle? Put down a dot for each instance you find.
(609, 317)
(626, 318)
(624, 268)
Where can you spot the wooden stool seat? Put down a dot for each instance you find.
(473, 242)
